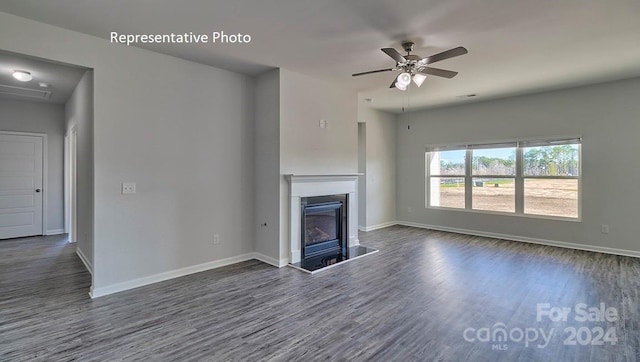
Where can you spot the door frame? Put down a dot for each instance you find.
(71, 183)
(45, 175)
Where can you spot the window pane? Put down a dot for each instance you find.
(494, 161)
(494, 194)
(551, 197)
(447, 162)
(447, 192)
(563, 160)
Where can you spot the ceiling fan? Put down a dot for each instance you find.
(414, 67)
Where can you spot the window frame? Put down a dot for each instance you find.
(519, 177)
(462, 176)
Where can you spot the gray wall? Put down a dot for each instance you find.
(182, 131)
(49, 119)
(380, 134)
(362, 179)
(79, 112)
(305, 148)
(267, 164)
(288, 140)
(605, 115)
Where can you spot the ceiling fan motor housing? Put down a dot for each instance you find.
(407, 46)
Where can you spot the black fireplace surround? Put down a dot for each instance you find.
(323, 226)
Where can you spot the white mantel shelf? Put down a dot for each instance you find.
(316, 178)
(321, 185)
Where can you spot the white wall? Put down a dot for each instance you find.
(181, 130)
(79, 113)
(305, 148)
(605, 115)
(380, 134)
(49, 119)
(267, 164)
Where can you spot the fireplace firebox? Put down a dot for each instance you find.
(323, 226)
(323, 229)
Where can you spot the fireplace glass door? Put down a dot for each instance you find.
(322, 228)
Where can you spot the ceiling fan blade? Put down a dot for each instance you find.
(394, 54)
(393, 84)
(445, 55)
(439, 72)
(372, 71)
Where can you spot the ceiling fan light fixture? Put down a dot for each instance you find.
(403, 79)
(22, 75)
(418, 79)
(402, 87)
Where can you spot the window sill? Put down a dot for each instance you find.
(500, 213)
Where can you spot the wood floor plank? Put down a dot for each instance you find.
(412, 301)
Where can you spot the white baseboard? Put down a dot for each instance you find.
(560, 244)
(84, 260)
(135, 283)
(271, 261)
(379, 226)
(55, 232)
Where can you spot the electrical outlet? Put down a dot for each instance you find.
(128, 188)
(216, 239)
(604, 229)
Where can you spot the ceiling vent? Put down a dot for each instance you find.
(24, 92)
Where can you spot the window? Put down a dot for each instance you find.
(533, 178)
(495, 190)
(551, 177)
(447, 178)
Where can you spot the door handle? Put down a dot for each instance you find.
(37, 190)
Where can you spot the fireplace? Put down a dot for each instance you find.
(323, 221)
(323, 225)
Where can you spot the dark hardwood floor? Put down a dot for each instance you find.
(415, 300)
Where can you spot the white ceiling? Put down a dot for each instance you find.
(515, 47)
(61, 78)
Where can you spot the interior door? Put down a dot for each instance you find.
(20, 185)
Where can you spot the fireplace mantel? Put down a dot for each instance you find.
(321, 185)
(323, 178)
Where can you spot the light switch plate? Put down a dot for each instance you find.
(128, 188)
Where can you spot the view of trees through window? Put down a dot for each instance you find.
(496, 192)
(494, 161)
(549, 178)
(551, 161)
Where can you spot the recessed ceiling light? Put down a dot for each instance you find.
(43, 84)
(22, 75)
